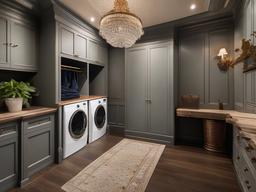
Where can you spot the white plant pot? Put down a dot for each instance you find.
(14, 104)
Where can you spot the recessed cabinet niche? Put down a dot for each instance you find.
(18, 43)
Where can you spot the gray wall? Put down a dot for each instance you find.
(245, 83)
(116, 89)
(198, 70)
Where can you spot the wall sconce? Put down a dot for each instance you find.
(225, 60)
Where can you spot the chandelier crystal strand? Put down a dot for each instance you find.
(119, 27)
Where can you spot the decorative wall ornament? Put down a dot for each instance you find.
(120, 27)
(248, 54)
(225, 60)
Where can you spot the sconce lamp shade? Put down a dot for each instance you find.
(222, 52)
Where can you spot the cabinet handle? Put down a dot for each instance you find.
(246, 169)
(247, 182)
(253, 160)
(13, 45)
(5, 43)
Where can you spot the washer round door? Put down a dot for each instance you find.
(100, 116)
(77, 124)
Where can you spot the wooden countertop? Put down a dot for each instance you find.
(246, 122)
(80, 99)
(26, 113)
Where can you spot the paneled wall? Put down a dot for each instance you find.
(245, 83)
(198, 70)
(116, 89)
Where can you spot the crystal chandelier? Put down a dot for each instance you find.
(119, 27)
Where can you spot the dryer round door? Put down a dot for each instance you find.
(100, 116)
(77, 124)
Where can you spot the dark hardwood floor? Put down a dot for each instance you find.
(181, 169)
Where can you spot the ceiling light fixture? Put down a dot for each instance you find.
(192, 6)
(92, 19)
(120, 27)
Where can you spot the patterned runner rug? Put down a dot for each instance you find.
(127, 166)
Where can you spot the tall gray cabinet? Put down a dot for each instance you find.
(149, 91)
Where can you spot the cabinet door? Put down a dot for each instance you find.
(4, 60)
(23, 47)
(9, 156)
(136, 93)
(37, 144)
(103, 55)
(159, 89)
(80, 46)
(67, 41)
(93, 51)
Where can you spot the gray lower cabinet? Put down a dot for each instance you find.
(149, 91)
(37, 145)
(244, 159)
(8, 155)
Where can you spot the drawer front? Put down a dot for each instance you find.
(249, 153)
(38, 123)
(247, 180)
(8, 130)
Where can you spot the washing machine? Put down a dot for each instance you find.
(97, 118)
(75, 127)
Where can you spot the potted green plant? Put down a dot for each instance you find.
(16, 94)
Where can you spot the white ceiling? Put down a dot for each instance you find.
(151, 12)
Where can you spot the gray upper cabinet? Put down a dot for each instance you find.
(97, 53)
(80, 46)
(149, 91)
(18, 45)
(67, 41)
(23, 47)
(4, 60)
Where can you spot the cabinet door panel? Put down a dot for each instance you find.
(93, 51)
(136, 74)
(158, 89)
(67, 41)
(81, 47)
(9, 156)
(23, 47)
(3, 43)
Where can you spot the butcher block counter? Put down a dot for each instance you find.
(245, 122)
(26, 113)
(80, 99)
